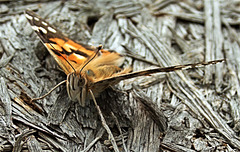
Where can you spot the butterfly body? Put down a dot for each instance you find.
(88, 68)
(100, 68)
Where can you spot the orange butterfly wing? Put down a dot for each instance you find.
(68, 54)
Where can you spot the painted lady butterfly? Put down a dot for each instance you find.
(89, 68)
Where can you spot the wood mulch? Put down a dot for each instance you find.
(186, 110)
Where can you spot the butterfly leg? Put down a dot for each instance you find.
(104, 123)
(34, 99)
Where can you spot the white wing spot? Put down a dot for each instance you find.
(69, 46)
(44, 23)
(35, 28)
(28, 17)
(52, 30)
(79, 56)
(43, 30)
(36, 19)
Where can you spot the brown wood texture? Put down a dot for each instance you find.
(188, 110)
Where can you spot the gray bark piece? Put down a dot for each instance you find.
(33, 144)
(209, 38)
(6, 113)
(218, 43)
(59, 109)
(6, 103)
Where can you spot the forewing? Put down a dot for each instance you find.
(65, 51)
(102, 84)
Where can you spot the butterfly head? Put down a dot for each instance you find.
(77, 82)
(77, 87)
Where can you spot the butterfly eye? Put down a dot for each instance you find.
(81, 81)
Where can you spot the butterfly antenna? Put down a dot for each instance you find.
(98, 49)
(64, 59)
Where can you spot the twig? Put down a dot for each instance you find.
(104, 123)
(94, 141)
(120, 131)
(18, 144)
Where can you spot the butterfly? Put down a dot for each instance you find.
(89, 68)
